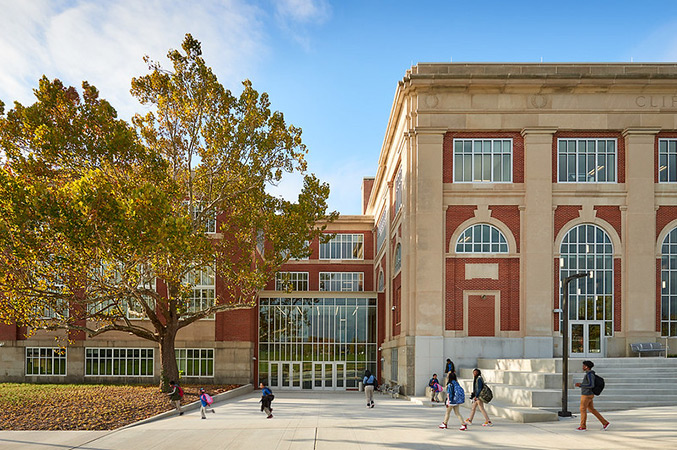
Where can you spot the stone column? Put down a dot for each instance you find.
(639, 261)
(537, 243)
(426, 254)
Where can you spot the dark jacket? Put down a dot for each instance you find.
(587, 383)
(266, 398)
(477, 385)
(174, 394)
(449, 367)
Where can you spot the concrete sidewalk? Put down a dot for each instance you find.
(311, 420)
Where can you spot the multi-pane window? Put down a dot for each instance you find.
(311, 330)
(482, 238)
(398, 190)
(119, 362)
(129, 306)
(669, 285)
(291, 281)
(342, 281)
(45, 361)
(260, 242)
(381, 230)
(587, 248)
(195, 362)
(56, 310)
(398, 258)
(208, 219)
(343, 246)
(482, 160)
(203, 289)
(394, 364)
(586, 160)
(667, 160)
(381, 281)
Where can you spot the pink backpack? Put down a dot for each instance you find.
(208, 399)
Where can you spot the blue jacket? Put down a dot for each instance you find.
(371, 381)
(265, 392)
(477, 386)
(203, 401)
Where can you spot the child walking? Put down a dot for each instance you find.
(455, 398)
(206, 401)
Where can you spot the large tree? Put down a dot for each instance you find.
(94, 210)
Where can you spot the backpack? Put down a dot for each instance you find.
(485, 394)
(208, 399)
(180, 390)
(597, 385)
(455, 393)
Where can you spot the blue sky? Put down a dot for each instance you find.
(330, 66)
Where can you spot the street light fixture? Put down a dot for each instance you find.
(565, 339)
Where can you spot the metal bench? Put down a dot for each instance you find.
(394, 391)
(647, 347)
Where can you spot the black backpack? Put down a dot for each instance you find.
(597, 385)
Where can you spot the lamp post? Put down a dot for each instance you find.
(565, 340)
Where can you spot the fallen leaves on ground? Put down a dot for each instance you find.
(86, 406)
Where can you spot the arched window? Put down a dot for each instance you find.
(669, 285)
(381, 281)
(398, 258)
(482, 238)
(586, 248)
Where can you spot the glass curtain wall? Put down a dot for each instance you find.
(305, 331)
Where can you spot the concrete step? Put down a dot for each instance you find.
(519, 395)
(554, 365)
(538, 380)
(498, 408)
(425, 401)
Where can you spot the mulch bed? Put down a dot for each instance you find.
(85, 406)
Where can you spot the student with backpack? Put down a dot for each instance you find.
(175, 396)
(267, 398)
(477, 386)
(455, 398)
(435, 387)
(369, 382)
(206, 401)
(592, 385)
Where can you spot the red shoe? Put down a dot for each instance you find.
(606, 427)
(463, 427)
(443, 425)
(270, 416)
(581, 429)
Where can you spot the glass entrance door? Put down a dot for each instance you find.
(586, 339)
(329, 375)
(284, 375)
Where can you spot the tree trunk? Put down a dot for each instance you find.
(170, 370)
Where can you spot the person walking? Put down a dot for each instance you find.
(206, 403)
(587, 397)
(477, 385)
(175, 396)
(434, 385)
(369, 382)
(455, 398)
(267, 398)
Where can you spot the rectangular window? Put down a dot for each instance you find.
(208, 220)
(291, 281)
(482, 160)
(195, 362)
(667, 160)
(45, 361)
(393, 364)
(119, 362)
(586, 160)
(342, 281)
(203, 289)
(343, 246)
(129, 306)
(398, 190)
(381, 230)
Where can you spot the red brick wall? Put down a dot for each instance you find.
(611, 214)
(237, 325)
(396, 315)
(510, 216)
(517, 152)
(620, 149)
(508, 284)
(664, 216)
(662, 135)
(564, 214)
(315, 269)
(456, 215)
(367, 186)
(8, 332)
(659, 288)
(617, 295)
(481, 315)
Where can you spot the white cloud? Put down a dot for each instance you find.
(292, 13)
(660, 45)
(104, 42)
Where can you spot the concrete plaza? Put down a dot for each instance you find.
(311, 420)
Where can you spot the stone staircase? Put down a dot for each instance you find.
(530, 390)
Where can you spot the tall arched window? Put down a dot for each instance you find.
(381, 281)
(482, 238)
(586, 248)
(398, 258)
(669, 284)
